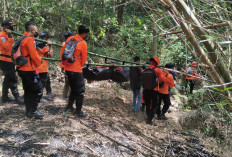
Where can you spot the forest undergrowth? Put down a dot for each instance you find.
(111, 129)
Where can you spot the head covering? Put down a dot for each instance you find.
(169, 65)
(44, 35)
(156, 59)
(68, 34)
(194, 64)
(6, 23)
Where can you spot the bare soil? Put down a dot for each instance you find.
(111, 129)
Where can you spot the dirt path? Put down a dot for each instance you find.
(111, 129)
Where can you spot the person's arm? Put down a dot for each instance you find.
(83, 53)
(171, 83)
(6, 43)
(33, 52)
(50, 52)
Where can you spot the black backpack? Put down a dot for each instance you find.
(67, 57)
(16, 54)
(149, 79)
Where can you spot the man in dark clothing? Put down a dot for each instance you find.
(135, 82)
(6, 64)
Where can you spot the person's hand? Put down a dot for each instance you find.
(49, 42)
(8, 31)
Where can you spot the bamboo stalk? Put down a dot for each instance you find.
(206, 27)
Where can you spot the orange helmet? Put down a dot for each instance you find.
(156, 59)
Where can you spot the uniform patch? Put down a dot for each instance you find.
(3, 39)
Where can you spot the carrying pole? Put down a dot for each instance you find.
(91, 53)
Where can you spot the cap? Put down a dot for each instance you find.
(156, 59)
(6, 23)
(169, 65)
(68, 34)
(44, 35)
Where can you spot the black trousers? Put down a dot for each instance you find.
(32, 87)
(48, 85)
(166, 99)
(10, 80)
(77, 84)
(191, 84)
(151, 100)
(43, 77)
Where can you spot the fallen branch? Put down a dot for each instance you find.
(206, 27)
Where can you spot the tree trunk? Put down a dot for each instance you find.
(212, 50)
(191, 37)
(154, 45)
(120, 12)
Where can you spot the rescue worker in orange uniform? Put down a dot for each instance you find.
(32, 85)
(151, 96)
(6, 64)
(190, 79)
(74, 72)
(164, 94)
(66, 90)
(44, 51)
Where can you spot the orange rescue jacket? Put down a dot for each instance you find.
(165, 88)
(43, 68)
(81, 49)
(28, 50)
(160, 75)
(194, 73)
(5, 47)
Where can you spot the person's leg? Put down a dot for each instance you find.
(158, 109)
(191, 86)
(32, 87)
(138, 103)
(10, 81)
(134, 99)
(148, 103)
(66, 89)
(79, 94)
(154, 103)
(76, 81)
(48, 85)
(167, 103)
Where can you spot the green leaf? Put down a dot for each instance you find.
(139, 21)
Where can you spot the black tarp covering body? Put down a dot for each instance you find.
(98, 73)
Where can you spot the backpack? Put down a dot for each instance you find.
(16, 54)
(67, 57)
(149, 79)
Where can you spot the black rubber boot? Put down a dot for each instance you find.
(69, 107)
(34, 113)
(5, 97)
(80, 114)
(162, 117)
(19, 100)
